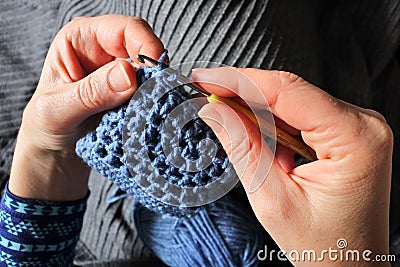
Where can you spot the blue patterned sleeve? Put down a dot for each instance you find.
(39, 233)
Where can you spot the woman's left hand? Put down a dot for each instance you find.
(81, 77)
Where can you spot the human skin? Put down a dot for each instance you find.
(343, 194)
(81, 77)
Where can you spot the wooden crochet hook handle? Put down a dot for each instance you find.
(269, 129)
(266, 128)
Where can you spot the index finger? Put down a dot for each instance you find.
(295, 101)
(329, 126)
(87, 43)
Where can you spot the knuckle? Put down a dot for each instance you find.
(137, 20)
(239, 152)
(79, 18)
(43, 109)
(72, 30)
(376, 114)
(286, 81)
(75, 22)
(244, 152)
(88, 93)
(42, 106)
(381, 131)
(288, 78)
(234, 145)
(375, 130)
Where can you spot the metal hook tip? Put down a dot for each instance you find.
(140, 58)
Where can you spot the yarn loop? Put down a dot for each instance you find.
(189, 143)
(129, 148)
(130, 139)
(171, 153)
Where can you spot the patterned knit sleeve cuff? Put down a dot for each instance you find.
(39, 233)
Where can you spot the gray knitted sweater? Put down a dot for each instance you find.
(348, 48)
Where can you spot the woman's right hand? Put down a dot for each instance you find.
(343, 194)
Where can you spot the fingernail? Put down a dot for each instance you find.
(212, 118)
(119, 79)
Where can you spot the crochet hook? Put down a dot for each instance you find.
(266, 128)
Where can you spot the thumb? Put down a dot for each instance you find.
(276, 198)
(250, 155)
(104, 89)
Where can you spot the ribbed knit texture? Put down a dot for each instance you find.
(26, 29)
(347, 48)
(108, 232)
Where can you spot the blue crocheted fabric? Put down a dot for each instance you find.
(136, 161)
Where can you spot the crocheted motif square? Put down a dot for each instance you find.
(129, 148)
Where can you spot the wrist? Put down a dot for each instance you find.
(45, 174)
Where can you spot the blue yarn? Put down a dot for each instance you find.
(189, 141)
(162, 115)
(103, 150)
(224, 233)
